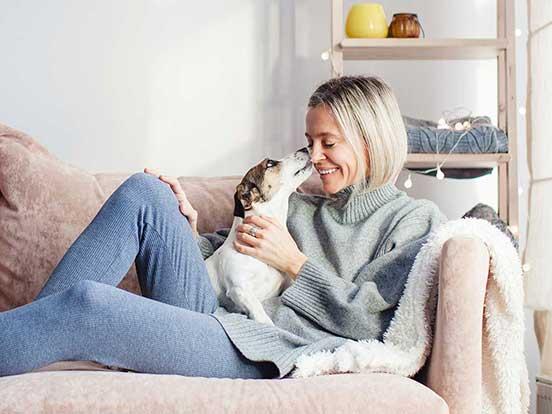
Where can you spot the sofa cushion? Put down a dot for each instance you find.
(62, 392)
(44, 204)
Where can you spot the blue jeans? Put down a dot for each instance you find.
(80, 314)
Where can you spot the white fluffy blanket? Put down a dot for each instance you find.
(407, 342)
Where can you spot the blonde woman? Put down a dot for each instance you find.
(349, 254)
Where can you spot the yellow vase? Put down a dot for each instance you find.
(366, 20)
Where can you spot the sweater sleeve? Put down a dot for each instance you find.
(357, 309)
(210, 242)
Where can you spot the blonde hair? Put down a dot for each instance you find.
(368, 114)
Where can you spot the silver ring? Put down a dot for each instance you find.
(252, 231)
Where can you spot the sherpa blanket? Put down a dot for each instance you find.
(407, 342)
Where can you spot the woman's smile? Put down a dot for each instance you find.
(327, 175)
(327, 171)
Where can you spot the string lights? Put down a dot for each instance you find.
(440, 174)
(328, 55)
(408, 182)
(522, 111)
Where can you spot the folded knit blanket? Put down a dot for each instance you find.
(407, 342)
(481, 137)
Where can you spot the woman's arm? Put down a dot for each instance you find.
(209, 242)
(271, 244)
(360, 308)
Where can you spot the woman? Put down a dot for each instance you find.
(349, 255)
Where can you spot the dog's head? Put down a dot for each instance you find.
(270, 177)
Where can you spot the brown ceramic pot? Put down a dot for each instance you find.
(405, 25)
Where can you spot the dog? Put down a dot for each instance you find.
(242, 282)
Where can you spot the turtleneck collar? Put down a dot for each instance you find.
(352, 204)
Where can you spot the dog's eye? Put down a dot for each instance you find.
(270, 163)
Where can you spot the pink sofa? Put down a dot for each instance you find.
(44, 205)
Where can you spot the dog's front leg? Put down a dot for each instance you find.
(246, 300)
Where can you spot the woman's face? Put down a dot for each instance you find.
(331, 154)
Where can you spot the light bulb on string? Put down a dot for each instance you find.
(325, 55)
(408, 182)
(522, 111)
(526, 267)
(440, 174)
(442, 124)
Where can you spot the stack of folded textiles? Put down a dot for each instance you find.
(481, 137)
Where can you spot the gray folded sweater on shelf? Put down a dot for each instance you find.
(482, 137)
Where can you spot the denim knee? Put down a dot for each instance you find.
(147, 188)
(89, 294)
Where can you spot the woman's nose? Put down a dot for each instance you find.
(316, 153)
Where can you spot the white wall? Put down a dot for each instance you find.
(209, 88)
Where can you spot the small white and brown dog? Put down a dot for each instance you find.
(240, 281)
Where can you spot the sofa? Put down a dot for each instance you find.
(44, 205)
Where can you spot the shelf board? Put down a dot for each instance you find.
(456, 160)
(421, 49)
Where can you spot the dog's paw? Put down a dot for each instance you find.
(263, 319)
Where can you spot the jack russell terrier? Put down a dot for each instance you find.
(242, 282)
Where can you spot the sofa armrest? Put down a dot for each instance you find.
(455, 363)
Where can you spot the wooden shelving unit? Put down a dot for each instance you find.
(421, 49)
(502, 48)
(457, 160)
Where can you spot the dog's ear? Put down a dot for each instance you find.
(248, 193)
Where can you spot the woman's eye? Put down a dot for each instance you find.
(328, 145)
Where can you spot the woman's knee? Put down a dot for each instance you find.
(144, 187)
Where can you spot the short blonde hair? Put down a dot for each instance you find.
(368, 114)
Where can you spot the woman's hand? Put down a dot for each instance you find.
(272, 244)
(185, 207)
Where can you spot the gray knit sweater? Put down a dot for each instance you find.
(360, 249)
